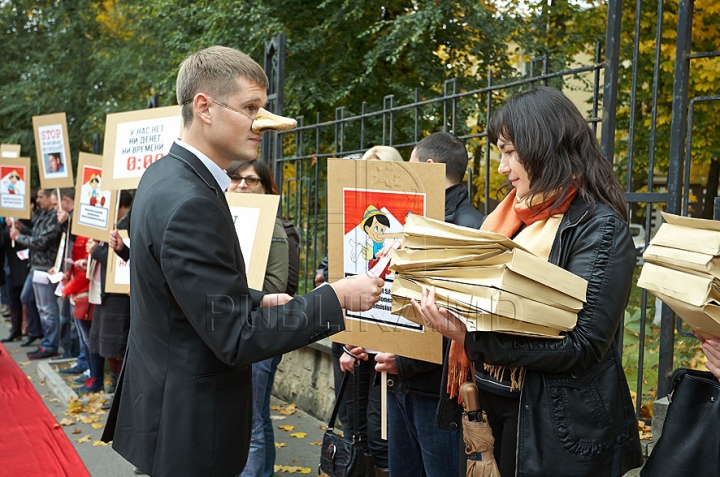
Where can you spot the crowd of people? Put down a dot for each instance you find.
(194, 367)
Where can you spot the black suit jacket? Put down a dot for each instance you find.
(183, 401)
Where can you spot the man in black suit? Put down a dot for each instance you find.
(183, 401)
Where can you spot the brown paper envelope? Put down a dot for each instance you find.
(688, 238)
(691, 222)
(692, 289)
(703, 319)
(476, 321)
(683, 260)
(407, 259)
(491, 300)
(501, 277)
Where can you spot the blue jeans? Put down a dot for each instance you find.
(418, 447)
(49, 314)
(96, 363)
(267, 422)
(27, 297)
(255, 466)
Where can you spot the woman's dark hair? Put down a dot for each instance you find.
(557, 148)
(263, 172)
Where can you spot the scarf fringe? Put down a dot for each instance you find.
(498, 372)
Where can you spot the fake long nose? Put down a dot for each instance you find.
(267, 121)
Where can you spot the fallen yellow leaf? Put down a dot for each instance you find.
(288, 427)
(316, 443)
(291, 469)
(23, 363)
(54, 400)
(98, 425)
(299, 435)
(98, 443)
(44, 395)
(83, 439)
(277, 418)
(288, 410)
(89, 419)
(76, 431)
(67, 422)
(279, 445)
(14, 351)
(74, 405)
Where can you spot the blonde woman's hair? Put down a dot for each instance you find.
(215, 71)
(382, 153)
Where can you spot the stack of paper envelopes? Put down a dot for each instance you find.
(485, 279)
(682, 268)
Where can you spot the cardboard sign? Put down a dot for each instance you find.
(254, 219)
(136, 139)
(15, 188)
(9, 151)
(117, 273)
(53, 151)
(95, 205)
(368, 204)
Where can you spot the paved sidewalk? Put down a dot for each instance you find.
(295, 454)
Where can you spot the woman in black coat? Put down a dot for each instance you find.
(556, 407)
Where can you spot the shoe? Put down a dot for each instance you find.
(83, 377)
(75, 369)
(138, 471)
(107, 405)
(30, 340)
(11, 337)
(42, 353)
(61, 357)
(92, 385)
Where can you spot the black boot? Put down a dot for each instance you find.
(15, 333)
(382, 472)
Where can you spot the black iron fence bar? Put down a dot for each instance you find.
(306, 238)
(707, 54)
(610, 83)
(645, 197)
(453, 103)
(389, 99)
(596, 85)
(677, 143)
(633, 97)
(655, 94)
(417, 116)
(487, 143)
(688, 147)
(289, 181)
(362, 125)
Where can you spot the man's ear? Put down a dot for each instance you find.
(201, 108)
(430, 161)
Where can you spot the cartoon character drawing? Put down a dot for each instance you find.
(95, 191)
(14, 177)
(375, 223)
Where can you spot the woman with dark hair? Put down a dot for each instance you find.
(556, 407)
(255, 177)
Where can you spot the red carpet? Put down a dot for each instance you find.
(30, 442)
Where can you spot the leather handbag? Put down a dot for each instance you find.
(690, 440)
(340, 456)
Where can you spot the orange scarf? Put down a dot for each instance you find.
(508, 218)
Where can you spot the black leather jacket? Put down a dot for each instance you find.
(421, 377)
(576, 416)
(42, 239)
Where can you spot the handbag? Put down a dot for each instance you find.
(340, 456)
(83, 308)
(690, 440)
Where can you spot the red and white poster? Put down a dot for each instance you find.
(95, 202)
(12, 187)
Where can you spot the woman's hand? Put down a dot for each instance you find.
(439, 318)
(711, 348)
(386, 362)
(90, 246)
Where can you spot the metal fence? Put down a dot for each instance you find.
(298, 157)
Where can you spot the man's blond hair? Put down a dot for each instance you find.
(215, 71)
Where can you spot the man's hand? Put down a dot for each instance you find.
(348, 358)
(358, 293)
(386, 362)
(116, 242)
(275, 299)
(62, 216)
(14, 233)
(90, 246)
(319, 279)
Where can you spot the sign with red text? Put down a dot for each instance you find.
(136, 139)
(368, 203)
(52, 146)
(15, 188)
(117, 274)
(95, 205)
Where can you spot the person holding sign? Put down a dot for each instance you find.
(556, 406)
(183, 402)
